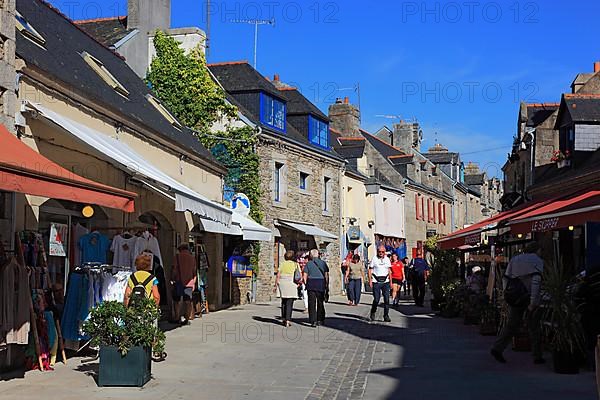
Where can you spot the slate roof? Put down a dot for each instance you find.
(108, 31)
(229, 74)
(382, 147)
(239, 77)
(537, 113)
(582, 107)
(442, 158)
(60, 59)
(297, 104)
(476, 179)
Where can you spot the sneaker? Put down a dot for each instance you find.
(372, 317)
(498, 356)
(387, 318)
(313, 325)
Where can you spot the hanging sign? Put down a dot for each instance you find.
(58, 238)
(240, 203)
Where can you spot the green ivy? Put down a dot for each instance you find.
(184, 84)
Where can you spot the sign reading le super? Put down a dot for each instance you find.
(544, 225)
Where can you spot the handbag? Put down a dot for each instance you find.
(381, 279)
(297, 276)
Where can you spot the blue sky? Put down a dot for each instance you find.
(459, 68)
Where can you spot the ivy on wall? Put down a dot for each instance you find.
(185, 86)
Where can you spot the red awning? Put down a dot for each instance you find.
(472, 234)
(24, 170)
(563, 211)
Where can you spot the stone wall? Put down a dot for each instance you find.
(297, 204)
(8, 98)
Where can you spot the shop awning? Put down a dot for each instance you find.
(307, 229)
(24, 170)
(251, 230)
(472, 234)
(216, 227)
(127, 159)
(561, 212)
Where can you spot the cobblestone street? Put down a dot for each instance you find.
(242, 353)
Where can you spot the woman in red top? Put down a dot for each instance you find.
(397, 277)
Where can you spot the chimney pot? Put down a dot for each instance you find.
(597, 66)
(276, 77)
(346, 100)
(338, 100)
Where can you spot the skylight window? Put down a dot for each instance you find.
(104, 73)
(163, 110)
(27, 30)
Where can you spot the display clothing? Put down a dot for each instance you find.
(185, 269)
(287, 287)
(123, 247)
(78, 232)
(147, 241)
(14, 304)
(94, 247)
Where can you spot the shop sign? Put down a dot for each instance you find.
(353, 232)
(240, 203)
(544, 225)
(58, 237)
(473, 238)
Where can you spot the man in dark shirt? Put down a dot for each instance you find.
(316, 277)
(420, 274)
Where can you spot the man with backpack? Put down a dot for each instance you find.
(522, 293)
(142, 283)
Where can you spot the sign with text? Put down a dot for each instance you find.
(544, 225)
(58, 238)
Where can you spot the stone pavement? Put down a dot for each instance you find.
(242, 353)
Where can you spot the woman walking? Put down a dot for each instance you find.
(355, 275)
(397, 278)
(288, 289)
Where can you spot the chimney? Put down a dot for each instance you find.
(149, 15)
(407, 136)
(345, 117)
(597, 66)
(276, 78)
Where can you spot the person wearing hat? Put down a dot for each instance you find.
(143, 266)
(476, 281)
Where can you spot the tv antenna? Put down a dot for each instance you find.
(356, 89)
(388, 116)
(256, 23)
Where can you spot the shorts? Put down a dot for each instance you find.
(187, 294)
(397, 281)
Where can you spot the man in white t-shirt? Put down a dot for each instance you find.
(379, 281)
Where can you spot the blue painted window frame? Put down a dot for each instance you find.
(318, 132)
(277, 107)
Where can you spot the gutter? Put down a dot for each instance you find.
(125, 39)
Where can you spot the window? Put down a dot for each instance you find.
(326, 190)
(440, 214)
(318, 132)
(422, 208)
(161, 109)
(27, 30)
(428, 210)
(304, 181)
(277, 180)
(104, 73)
(434, 219)
(417, 208)
(272, 112)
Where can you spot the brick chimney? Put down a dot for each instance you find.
(597, 66)
(149, 15)
(345, 117)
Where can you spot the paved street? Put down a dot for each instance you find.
(242, 353)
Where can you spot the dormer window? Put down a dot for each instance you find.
(272, 112)
(104, 73)
(27, 30)
(163, 110)
(318, 132)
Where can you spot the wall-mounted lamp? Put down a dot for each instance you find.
(520, 235)
(87, 211)
(352, 220)
(372, 186)
(571, 228)
(371, 223)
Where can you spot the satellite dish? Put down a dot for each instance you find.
(240, 203)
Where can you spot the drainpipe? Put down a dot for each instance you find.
(452, 212)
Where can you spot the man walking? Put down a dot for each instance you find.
(316, 277)
(420, 274)
(523, 274)
(379, 281)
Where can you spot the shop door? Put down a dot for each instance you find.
(58, 258)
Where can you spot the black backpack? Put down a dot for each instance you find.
(516, 294)
(139, 288)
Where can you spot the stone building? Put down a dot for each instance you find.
(8, 98)
(300, 173)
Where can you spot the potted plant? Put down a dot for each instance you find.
(126, 337)
(561, 319)
(443, 271)
(561, 159)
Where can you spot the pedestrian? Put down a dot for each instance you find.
(397, 277)
(407, 282)
(142, 283)
(419, 277)
(316, 278)
(355, 275)
(288, 289)
(523, 274)
(379, 281)
(476, 281)
(345, 265)
(183, 277)
(302, 260)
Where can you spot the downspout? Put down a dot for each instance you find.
(452, 212)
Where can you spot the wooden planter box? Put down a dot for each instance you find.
(132, 370)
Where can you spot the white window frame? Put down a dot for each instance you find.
(28, 30)
(104, 73)
(156, 103)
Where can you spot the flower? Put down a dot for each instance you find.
(558, 156)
